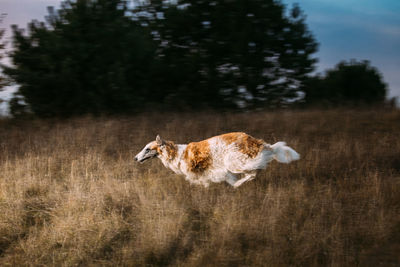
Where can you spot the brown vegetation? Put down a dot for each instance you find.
(71, 194)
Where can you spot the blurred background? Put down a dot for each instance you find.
(66, 58)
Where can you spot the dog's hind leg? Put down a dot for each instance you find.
(231, 178)
(247, 177)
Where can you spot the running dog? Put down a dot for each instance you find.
(233, 157)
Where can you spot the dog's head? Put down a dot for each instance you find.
(151, 150)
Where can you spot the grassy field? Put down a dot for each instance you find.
(71, 194)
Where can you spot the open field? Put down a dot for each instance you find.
(71, 194)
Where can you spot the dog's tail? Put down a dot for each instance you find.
(284, 153)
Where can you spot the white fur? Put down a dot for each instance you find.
(283, 153)
(228, 163)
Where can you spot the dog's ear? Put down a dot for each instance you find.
(159, 141)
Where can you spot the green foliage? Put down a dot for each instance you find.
(88, 58)
(349, 83)
(225, 53)
(97, 56)
(3, 80)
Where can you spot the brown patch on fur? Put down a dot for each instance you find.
(154, 146)
(229, 138)
(170, 149)
(197, 156)
(245, 143)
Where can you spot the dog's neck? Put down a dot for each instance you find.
(173, 157)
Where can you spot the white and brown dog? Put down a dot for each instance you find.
(232, 157)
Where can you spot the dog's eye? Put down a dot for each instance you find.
(147, 149)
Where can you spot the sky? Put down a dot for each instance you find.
(345, 29)
(357, 29)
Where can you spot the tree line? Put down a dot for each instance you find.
(112, 56)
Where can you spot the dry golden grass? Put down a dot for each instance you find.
(70, 193)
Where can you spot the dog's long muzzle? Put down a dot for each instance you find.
(146, 158)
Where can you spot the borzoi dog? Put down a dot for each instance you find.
(232, 157)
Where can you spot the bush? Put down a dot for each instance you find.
(349, 83)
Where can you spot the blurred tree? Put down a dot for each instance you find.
(3, 80)
(97, 56)
(352, 82)
(227, 53)
(88, 57)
